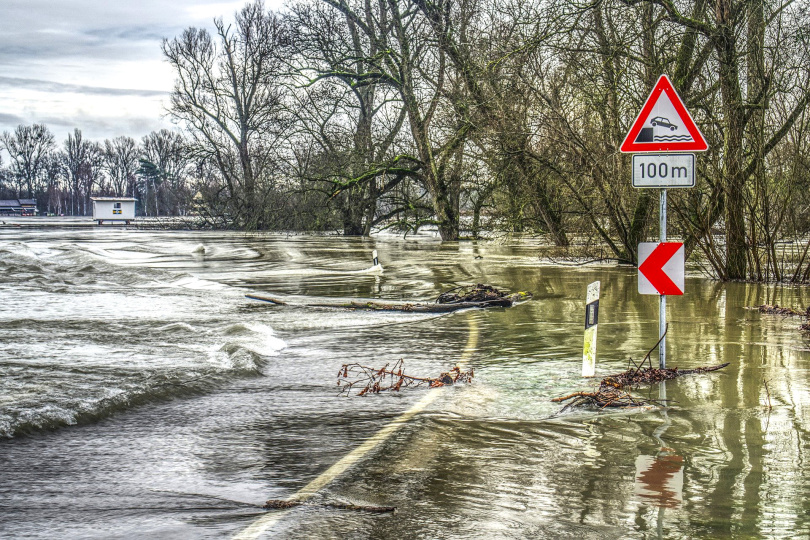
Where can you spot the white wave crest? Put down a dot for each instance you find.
(256, 337)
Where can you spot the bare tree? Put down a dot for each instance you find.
(83, 162)
(227, 94)
(747, 76)
(163, 162)
(356, 127)
(28, 148)
(410, 62)
(121, 162)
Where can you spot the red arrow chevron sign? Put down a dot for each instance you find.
(661, 268)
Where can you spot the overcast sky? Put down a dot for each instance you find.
(95, 65)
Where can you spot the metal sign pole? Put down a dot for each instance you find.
(662, 130)
(662, 306)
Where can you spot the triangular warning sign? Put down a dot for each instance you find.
(664, 124)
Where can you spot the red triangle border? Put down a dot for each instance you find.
(697, 145)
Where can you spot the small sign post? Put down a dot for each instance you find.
(591, 320)
(374, 258)
(662, 129)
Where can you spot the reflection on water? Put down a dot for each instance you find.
(141, 393)
(659, 479)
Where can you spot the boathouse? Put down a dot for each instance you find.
(113, 209)
(18, 207)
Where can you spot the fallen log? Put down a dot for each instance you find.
(479, 296)
(281, 504)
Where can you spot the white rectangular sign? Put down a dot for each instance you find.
(663, 170)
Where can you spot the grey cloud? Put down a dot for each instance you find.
(55, 87)
(44, 41)
(99, 127)
(103, 44)
(43, 30)
(11, 119)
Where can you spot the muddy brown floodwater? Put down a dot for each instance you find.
(142, 395)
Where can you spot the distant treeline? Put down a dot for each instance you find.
(471, 115)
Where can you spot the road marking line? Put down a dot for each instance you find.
(267, 521)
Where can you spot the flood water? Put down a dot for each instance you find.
(143, 396)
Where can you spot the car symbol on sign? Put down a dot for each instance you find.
(661, 121)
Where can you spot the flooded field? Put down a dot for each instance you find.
(142, 395)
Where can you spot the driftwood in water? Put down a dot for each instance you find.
(776, 309)
(604, 397)
(787, 312)
(611, 393)
(635, 377)
(282, 504)
(475, 293)
(374, 380)
(479, 296)
(638, 374)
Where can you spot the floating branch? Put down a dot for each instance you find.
(787, 312)
(477, 296)
(479, 293)
(635, 377)
(376, 380)
(604, 397)
(281, 504)
(776, 309)
(610, 392)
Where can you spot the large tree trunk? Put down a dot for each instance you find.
(733, 171)
(445, 205)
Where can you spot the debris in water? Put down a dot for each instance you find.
(650, 375)
(776, 309)
(611, 393)
(281, 504)
(375, 380)
(476, 296)
(477, 293)
(605, 396)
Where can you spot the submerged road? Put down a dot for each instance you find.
(141, 395)
(266, 522)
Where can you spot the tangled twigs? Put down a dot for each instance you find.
(282, 504)
(610, 392)
(480, 293)
(776, 309)
(635, 377)
(374, 381)
(473, 293)
(605, 396)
